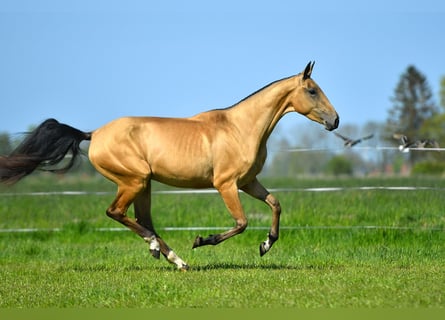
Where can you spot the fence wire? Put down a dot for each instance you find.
(222, 228)
(400, 148)
(275, 190)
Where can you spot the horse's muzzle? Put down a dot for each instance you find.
(332, 125)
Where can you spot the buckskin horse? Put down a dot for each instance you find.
(223, 149)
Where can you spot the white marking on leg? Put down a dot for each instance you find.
(266, 245)
(173, 258)
(153, 243)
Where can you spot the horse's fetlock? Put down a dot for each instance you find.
(272, 237)
(198, 242)
(153, 243)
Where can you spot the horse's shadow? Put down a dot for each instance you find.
(253, 266)
(241, 266)
(207, 267)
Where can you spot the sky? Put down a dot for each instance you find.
(88, 62)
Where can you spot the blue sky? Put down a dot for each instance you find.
(88, 62)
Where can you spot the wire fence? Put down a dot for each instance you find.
(222, 228)
(273, 190)
(400, 148)
(211, 191)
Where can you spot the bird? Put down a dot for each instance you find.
(352, 142)
(407, 144)
(427, 142)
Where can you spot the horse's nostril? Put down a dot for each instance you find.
(336, 122)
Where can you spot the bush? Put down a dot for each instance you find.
(339, 165)
(429, 167)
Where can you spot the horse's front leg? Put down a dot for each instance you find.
(230, 195)
(256, 190)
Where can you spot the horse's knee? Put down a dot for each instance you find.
(274, 203)
(241, 225)
(115, 214)
(277, 207)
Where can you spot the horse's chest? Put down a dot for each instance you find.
(254, 165)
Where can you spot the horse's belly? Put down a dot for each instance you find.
(182, 173)
(183, 181)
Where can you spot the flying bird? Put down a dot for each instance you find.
(406, 143)
(427, 142)
(352, 142)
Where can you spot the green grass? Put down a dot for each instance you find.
(400, 263)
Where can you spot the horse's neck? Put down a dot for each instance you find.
(257, 116)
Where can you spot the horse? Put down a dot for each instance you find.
(224, 149)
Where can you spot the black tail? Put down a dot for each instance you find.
(46, 146)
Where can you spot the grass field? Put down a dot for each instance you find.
(344, 248)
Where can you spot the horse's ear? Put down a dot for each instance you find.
(308, 70)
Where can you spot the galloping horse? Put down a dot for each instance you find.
(223, 149)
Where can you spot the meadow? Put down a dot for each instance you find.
(351, 247)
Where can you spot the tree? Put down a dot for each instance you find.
(339, 165)
(413, 104)
(434, 128)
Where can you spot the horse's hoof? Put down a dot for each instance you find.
(155, 253)
(266, 245)
(197, 242)
(185, 267)
(262, 249)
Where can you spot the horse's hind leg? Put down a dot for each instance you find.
(256, 190)
(118, 211)
(142, 208)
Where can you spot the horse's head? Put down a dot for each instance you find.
(309, 100)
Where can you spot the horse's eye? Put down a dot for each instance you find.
(312, 91)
